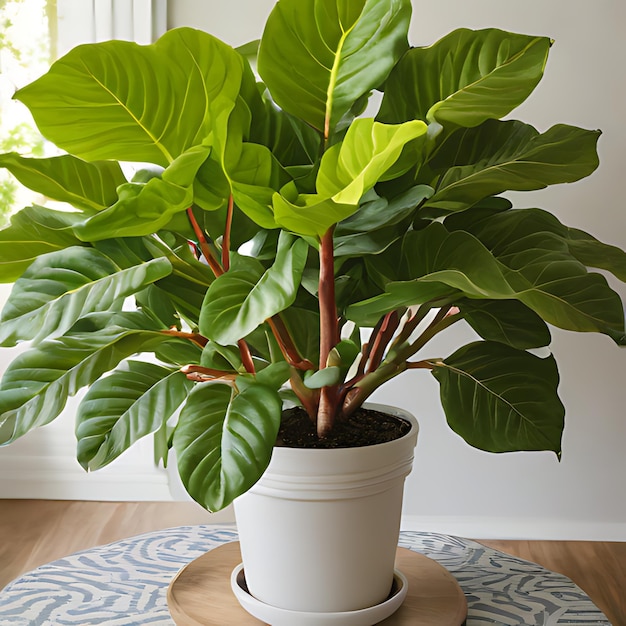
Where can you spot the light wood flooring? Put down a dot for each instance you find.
(34, 532)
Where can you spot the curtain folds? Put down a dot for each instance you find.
(86, 21)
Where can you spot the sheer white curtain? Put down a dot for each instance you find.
(85, 21)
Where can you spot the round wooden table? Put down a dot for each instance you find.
(125, 583)
(200, 595)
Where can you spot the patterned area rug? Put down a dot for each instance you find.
(124, 583)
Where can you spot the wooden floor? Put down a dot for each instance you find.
(34, 532)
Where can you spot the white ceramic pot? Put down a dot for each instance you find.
(319, 531)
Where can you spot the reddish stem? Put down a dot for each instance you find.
(204, 245)
(203, 374)
(246, 356)
(329, 331)
(197, 338)
(384, 335)
(287, 347)
(226, 237)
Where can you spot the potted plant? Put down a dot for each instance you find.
(272, 224)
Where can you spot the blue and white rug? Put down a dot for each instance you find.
(125, 583)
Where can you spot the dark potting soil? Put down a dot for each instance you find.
(365, 427)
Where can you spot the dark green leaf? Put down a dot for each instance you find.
(135, 400)
(500, 399)
(465, 78)
(36, 385)
(500, 156)
(224, 441)
(240, 300)
(506, 321)
(324, 377)
(61, 287)
(33, 232)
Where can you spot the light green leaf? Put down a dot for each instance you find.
(104, 90)
(352, 167)
(241, 300)
(465, 78)
(500, 399)
(33, 232)
(318, 57)
(136, 400)
(61, 287)
(224, 441)
(347, 171)
(88, 186)
(36, 385)
(500, 156)
(145, 208)
(324, 377)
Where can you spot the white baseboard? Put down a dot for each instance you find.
(55, 478)
(517, 528)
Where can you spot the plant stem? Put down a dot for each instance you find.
(204, 245)
(329, 330)
(197, 338)
(226, 237)
(286, 344)
(244, 350)
(203, 374)
(387, 329)
(396, 361)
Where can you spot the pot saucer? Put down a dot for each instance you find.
(284, 617)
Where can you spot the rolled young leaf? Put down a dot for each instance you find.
(500, 399)
(347, 171)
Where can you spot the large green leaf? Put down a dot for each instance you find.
(89, 186)
(347, 171)
(143, 209)
(377, 212)
(36, 385)
(241, 300)
(543, 272)
(118, 410)
(438, 264)
(224, 441)
(465, 78)
(500, 399)
(317, 57)
(119, 100)
(506, 321)
(33, 232)
(499, 156)
(61, 287)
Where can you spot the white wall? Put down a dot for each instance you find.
(454, 488)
